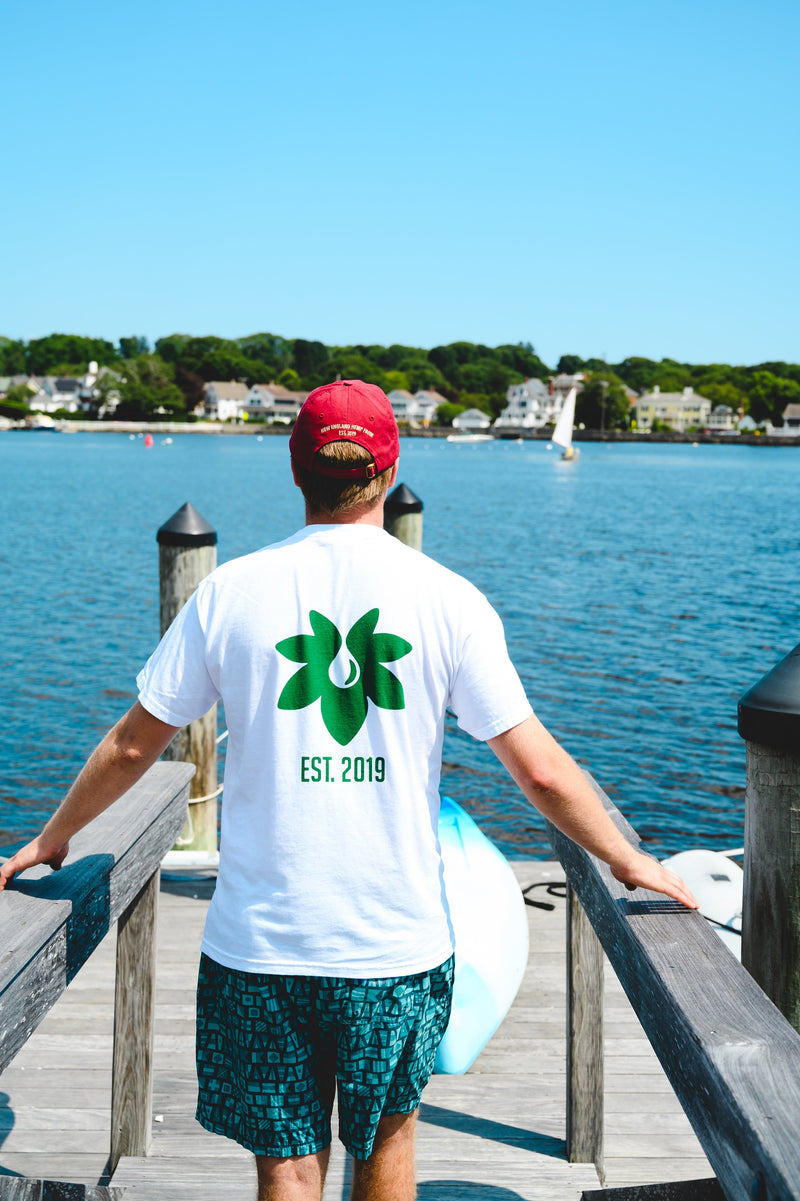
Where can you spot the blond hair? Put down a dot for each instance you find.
(336, 497)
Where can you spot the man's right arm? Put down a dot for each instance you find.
(553, 782)
(122, 758)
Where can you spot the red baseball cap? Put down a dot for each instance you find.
(351, 411)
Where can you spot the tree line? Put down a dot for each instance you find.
(169, 377)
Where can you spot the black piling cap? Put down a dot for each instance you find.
(402, 500)
(186, 528)
(770, 712)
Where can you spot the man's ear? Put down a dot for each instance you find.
(393, 476)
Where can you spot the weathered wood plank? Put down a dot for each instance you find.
(732, 1058)
(134, 1007)
(584, 1038)
(23, 1189)
(682, 1190)
(50, 922)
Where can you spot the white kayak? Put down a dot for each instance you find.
(717, 882)
(491, 934)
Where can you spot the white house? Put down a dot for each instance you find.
(471, 419)
(722, 420)
(533, 404)
(428, 401)
(273, 403)
(58, 392)
(225, 401)
(404, 404)
(791, 419)
(530, 405)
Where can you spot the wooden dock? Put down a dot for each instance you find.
(496, 1133)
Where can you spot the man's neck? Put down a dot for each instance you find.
(369, 515)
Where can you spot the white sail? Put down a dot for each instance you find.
(562, 434)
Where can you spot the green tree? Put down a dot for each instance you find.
(770, 394)
(396, 380)
(643, 374)
(603, 403)
(289, 379)
(568, 364)
(271, 349)
(522, 359)
(12, 357)
(49, 355)
(130, 348)
(724, 394)
(347, 362)
(310, 358)
(481, 400)
(445, 413)
(16, 402)
(171, 348)
(219, 358)
(146, 390)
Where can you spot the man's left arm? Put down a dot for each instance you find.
(125, 754)
(553, 782)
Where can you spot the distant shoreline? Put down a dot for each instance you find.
(251, 427)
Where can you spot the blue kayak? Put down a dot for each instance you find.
(490, 923)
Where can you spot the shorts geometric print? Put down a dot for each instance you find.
(272, 1050)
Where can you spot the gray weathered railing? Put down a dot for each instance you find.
(731, 1057)
(50, 922)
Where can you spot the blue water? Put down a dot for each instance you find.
(643, 589)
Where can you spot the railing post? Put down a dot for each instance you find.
(402, 516)
(187, 553)
(769, 721)
(584, 1038)
(134, 1009)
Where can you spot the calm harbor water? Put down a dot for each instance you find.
(643, 589)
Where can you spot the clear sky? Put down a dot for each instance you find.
(599, 178)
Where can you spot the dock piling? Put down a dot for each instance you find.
(402, 516)
(769, 721)
(187, 552)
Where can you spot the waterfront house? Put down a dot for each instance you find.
(58, 392)
(273, 403)
(791, 419)
(225, 401)
(16, 381)
(471, 419)
(428, 401)
(562, 384)
(529, 405)
(722, 420)
(681, 411)
(404, 406)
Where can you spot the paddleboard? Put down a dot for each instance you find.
(490, 924)
(718, 884)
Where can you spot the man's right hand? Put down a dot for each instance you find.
(36, 851)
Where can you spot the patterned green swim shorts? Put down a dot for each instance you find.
(272, 1051)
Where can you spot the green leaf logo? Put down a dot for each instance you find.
(343, 675)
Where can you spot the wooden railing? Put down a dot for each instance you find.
(731, 1057)
(50, 922)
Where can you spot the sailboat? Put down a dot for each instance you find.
(562, 434)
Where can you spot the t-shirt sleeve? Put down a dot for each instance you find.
(175, 685)
(487, 696)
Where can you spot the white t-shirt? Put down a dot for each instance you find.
(336, 654)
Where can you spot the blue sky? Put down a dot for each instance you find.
(600, 179)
